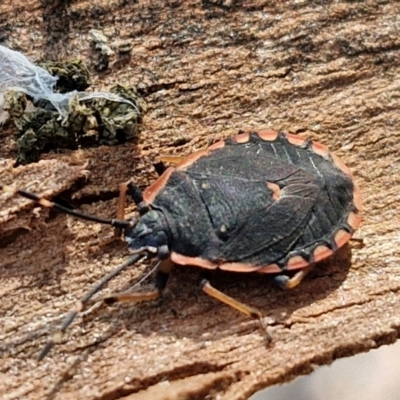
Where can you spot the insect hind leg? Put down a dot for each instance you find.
(285, 282)
(237, 305)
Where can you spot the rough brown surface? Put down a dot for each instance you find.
(46, 178)
(326, 69)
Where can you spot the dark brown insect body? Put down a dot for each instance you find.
(263, 202)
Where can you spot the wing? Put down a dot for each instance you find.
(269, 232)
(258, 205)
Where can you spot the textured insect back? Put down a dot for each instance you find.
(296, 201)
(337, 213)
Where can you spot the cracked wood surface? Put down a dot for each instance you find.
(328, 70)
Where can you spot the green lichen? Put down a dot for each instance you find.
(99, 120)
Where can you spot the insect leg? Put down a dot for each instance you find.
(123, 187)
(285, 282)
(84, 301)
(170, 159)
(163, 272)
(237, 305)
(136, 194)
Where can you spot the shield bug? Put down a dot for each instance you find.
(267, 202)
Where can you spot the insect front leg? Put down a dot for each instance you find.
(163, 271)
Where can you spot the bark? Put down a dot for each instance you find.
(326, 69)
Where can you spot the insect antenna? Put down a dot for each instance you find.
(117, 223)
(84, 301)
